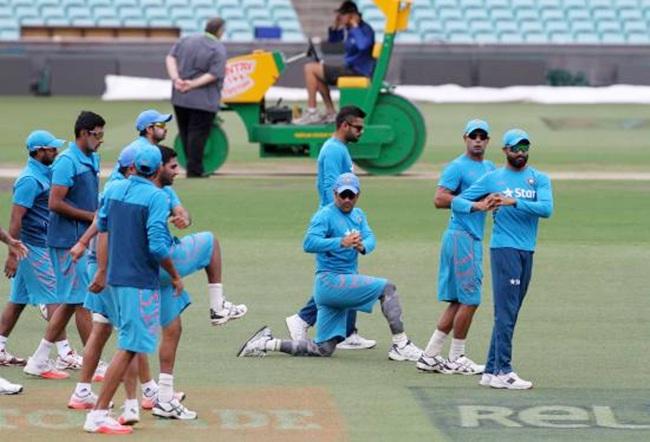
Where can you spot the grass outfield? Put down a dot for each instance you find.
(582, 335)
(569, 137)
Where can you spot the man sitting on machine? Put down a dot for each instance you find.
(359, 39)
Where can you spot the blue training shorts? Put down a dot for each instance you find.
(335, 294)
(460, 274)
(103, 302)
(71, 279)
(34, 282)
(138, 312)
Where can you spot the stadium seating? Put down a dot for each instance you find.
(188, 15)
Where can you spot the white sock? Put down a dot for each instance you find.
(82, 389)
(312, 110)
(149, 388)
(42, 353)
(3, 342)
(165, 387)
(97, 414)
(131, 403)
(434, 347)
(272, 345)
(215, 293)
(63, 347)
(400, 339)
(457, 349)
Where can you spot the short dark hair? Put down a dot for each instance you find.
(167, 153)
(33, 153)
(87, 120)
(143, 132)
(346, 112)
(123, 169)
(214, 25)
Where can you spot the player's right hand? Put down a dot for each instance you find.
(351, 240)
(77, 251)
(11, 264)
(177, 283)
(99, 282)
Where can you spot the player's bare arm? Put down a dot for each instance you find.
(15, 224)
(57, 204)
(80, 247)
(99, 281)
(442, 198)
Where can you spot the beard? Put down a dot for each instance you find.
(518, 162)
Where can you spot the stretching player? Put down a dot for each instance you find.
(72, 203)
(337, 234)
(522, 196)
(461, 252)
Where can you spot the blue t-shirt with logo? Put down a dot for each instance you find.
(459, 175)
(333, 160)
(32, 191)
(514, 226)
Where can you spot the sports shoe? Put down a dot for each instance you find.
(7, 387)
(356, 342)
(230, 311)
(329, 118)
(71, 361)
(105, 425)
(433, 364)
(486, 378)
(129, 416)
(510, 381)
(44, 369)
(148, 402)
(100, 371)
(465, 366)
(256, 345)
(173, 410)
(309, 117)
(409, 352)
(9, 360)
(297, 328)
(85, 402)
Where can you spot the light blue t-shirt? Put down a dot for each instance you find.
(326, 230)
(32, 191)
(333, 160)
(459, 175)
(514, 226)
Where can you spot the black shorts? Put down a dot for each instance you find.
(332, 73)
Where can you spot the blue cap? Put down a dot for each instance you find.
(127, 156)
(40, 139)
(149, 117)
(473, 125)
(347, 181)
(513, 137)
(147, 159)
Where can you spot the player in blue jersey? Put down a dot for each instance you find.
(133, 212)
(33, 280)
(461, 268)
(333, 160)
(337, 234)
(72, 204)
(522, 195)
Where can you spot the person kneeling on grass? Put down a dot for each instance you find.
(337, 234)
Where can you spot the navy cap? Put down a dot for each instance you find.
(40, 139)
(347, 181)
(127, 156)
(147, 159)
(473, 125)
(149, 117)
(513, 137)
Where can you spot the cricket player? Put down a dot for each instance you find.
(132, 246)
(72, 203)
(333, 160)
(33, 280)
(522, 195)
(461, 268)
(18, 249)
(337, 234)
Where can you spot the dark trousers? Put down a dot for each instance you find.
(194, 127)
(309, 313)
(511, 272)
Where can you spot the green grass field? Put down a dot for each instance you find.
(581, 337)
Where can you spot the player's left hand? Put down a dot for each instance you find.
(11, 265)
(179, 221)
(178, 286)
(17, 248)
(504, 201)
(99, 282)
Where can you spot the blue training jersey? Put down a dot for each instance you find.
(459, 175)
(514, 226)
(32, 191)
(115, 177)
(358, 44)
(80, 174)
(333, 160)
(134, 212)
(326, 230)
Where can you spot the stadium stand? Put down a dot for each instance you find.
(187, 15)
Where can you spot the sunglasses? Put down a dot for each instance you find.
(522, 147)
(160, 125)
(358, 127)
(97, 134)
(347, 195)
(480, 135)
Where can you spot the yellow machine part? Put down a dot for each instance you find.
(248, 77)
(397, 14)
(353, 82)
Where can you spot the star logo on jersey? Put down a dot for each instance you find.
(531, 181)
(508, 192)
